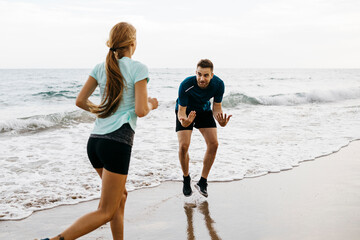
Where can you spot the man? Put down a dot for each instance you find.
(193, 110)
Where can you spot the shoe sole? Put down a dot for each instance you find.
(198, 188)
(188, 194)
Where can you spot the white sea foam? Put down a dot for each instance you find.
(290, 99)
(41, 122)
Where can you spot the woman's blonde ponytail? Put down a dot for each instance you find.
(122, 35)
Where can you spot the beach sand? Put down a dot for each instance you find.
(318, 200)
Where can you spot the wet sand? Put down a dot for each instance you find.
(318, 200)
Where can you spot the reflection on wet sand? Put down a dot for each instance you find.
(189, 214)
(204, 209)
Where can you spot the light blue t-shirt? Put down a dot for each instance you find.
(132, 71)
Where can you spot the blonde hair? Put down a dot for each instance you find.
(122, 35)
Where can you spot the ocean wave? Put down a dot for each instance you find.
(290, 99)
(57, 94)
(43, 122)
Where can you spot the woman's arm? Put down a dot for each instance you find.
(143, 104)
(82, 100)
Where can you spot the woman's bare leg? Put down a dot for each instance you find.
(112, 191)
(117, 223)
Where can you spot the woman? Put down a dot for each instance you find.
(123, 87)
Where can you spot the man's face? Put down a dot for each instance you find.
(203, 77)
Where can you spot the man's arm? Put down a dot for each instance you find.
(218, 114)
(217, 109)
(185, 120)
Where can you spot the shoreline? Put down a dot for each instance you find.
(176, 181)
(319, 200)
(211, 181)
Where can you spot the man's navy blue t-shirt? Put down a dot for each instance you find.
(195, 98)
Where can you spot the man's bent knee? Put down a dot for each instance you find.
(184, 147)
(213, 145)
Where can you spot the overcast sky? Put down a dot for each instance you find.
(234, 34)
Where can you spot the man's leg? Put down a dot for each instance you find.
(210, 136)
(184, 137)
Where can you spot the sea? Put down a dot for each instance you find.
(281, 118)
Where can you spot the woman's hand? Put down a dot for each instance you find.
(153, 102)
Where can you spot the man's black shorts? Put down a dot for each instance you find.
(203, 119)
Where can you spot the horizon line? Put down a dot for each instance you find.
(74, 68)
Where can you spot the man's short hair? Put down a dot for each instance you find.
(205, 63)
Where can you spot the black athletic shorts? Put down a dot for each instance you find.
(112, 155)
(203, 119)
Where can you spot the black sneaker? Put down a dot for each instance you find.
(202, 188)
(187, 186)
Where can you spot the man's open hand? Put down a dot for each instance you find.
(222, 119)
(185, 122)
